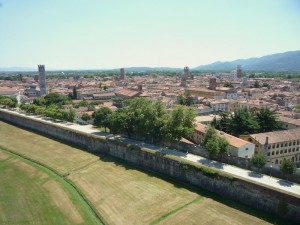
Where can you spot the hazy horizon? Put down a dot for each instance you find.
(98, 34)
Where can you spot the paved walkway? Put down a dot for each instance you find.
(233, 170)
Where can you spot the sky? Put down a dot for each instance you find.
(103, 34)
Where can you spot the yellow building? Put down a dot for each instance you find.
(277, 145)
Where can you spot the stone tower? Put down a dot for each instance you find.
(186, 71)
(212, 83)
(122, 74)
(42, 80)
(239, 71)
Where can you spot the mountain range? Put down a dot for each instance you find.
(287, 61)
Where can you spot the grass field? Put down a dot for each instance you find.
(123, 194)
(58, 156)
(32, 195)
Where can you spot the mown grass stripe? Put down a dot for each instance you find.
(175, 211)
(59, 177)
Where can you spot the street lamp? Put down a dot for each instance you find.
(270, 170)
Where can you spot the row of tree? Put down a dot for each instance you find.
(287, 166)
(51, 111)
(145, 118)
(8, 101)
(243, 121)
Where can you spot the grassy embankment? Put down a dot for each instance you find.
(123, 194)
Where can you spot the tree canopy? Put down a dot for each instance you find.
(101, 117)
(242, 121)
(288, 167)
(213, 143)
(259, 160)
(145, 118)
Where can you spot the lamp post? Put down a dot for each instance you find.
(270, 170)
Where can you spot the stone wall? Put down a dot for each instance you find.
(249, 193)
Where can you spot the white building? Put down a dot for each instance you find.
(237, 147)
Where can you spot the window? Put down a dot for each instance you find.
(285, 150)
(268, 153)
(246, 148)
(273, 146)
(290, 143)
(285, 144)
(269, 147)
(293, 149)
(277, 146)
(276, 161)
(297, 149)
(277, 152)
(289, 150)
(281, 151)
(297, 142)
(281, 145)
(273, 153)
(294, 143)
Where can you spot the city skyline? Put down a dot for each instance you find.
(104, 35)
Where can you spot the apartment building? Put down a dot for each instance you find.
(278, 145)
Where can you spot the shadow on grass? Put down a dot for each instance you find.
(274, 219)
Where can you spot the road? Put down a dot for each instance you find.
(232, 170)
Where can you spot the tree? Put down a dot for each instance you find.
(56, 99)
(213, 143)
(120, 122)
(101, 117)
(228, 84)
(70, 115)
(180, 124)
(242, 122)
(40, 101)
(86, 117)
(224, 145)
(256, 84)
(266, 85)
(210, 132)
(288, 167)
(186, 99)
(259, 161)
(267, 120)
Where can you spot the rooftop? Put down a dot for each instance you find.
(277, 136)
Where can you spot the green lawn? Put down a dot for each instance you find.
(119, 193)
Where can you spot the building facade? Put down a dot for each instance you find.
(237, 147)
(278, 145)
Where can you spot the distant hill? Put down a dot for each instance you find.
(147, 69)
(287, 61)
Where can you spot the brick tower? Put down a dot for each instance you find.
(239, 71)
(42, 80)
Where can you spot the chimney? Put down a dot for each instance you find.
(267, 141)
